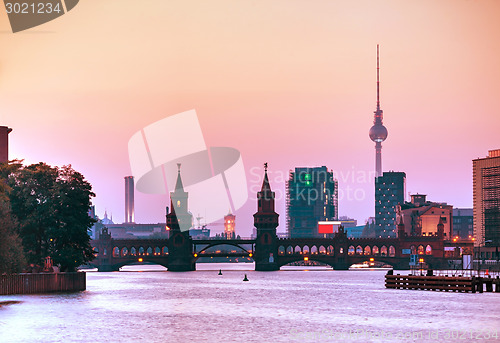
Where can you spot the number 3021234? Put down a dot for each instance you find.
(26, 8)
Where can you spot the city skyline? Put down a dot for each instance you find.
(295, 92)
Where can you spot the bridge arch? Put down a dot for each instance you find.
(428, 250)
(314, 250)
(298, 250)
(220, 242)
(164, 250)
(392, 251)
(421, 250)
(383, 251)
(289, 250)
(375, 250)
(351, 250)
(305, 249)
(367, 250)
(124, 252)
(359, 250)
(133, 251)
(281, 250)
(322, 250)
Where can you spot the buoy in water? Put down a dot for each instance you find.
(245, 279)
(220, 271)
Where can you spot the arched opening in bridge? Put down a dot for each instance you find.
(133, 251)
(281, 250)
(383, 251)
(392, 251)
(164, 250)
(359, 250)
(223, 252)
(322, 250)
(305, 249)
(116, 252)
(413, 250)
(149, 251)
(314, 250)
(157, 251)
(298, 250)
(141, 251)
(428, 250)
(351, 250)
(289, 250)
(421, 250)
(330, 250)
(368, 250)
(375, 250)
(124, 251)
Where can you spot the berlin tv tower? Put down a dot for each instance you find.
(378, 132)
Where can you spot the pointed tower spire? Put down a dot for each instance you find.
(378, 84)
(179, 218)
(266, 187)
(178, 184)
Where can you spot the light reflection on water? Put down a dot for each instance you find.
(295, 304)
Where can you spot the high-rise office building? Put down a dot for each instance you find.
(389, 192)
(463, 223)
(4, 143)
(312, 196)
(129, 199)
(486, 199)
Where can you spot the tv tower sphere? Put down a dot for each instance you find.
(378, 133)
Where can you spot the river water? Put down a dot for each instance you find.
(295, 304)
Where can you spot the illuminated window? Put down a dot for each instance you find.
(178, 203)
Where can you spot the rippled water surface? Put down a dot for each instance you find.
(149, 304)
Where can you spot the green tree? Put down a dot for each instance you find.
(11, 250)
(51, 205)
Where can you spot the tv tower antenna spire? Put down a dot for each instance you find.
(378, 132)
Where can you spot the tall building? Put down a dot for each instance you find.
(229, 224)
(312, 196)
(421, 217)
(378, 132)
(4, 143)
(486, 199)
(129, 199)
(390, 189)
(463, 223)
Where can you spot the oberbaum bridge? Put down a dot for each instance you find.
(180, 252)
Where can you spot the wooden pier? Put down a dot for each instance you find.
(443, 283)
(42, 283)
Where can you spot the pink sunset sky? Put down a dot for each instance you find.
(291, 83)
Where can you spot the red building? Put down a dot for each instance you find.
(229, 224)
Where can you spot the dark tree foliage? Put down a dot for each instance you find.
(11, 250)
(51, 205)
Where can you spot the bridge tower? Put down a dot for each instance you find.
(179, 221)
(105, 252)
(266, 222)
